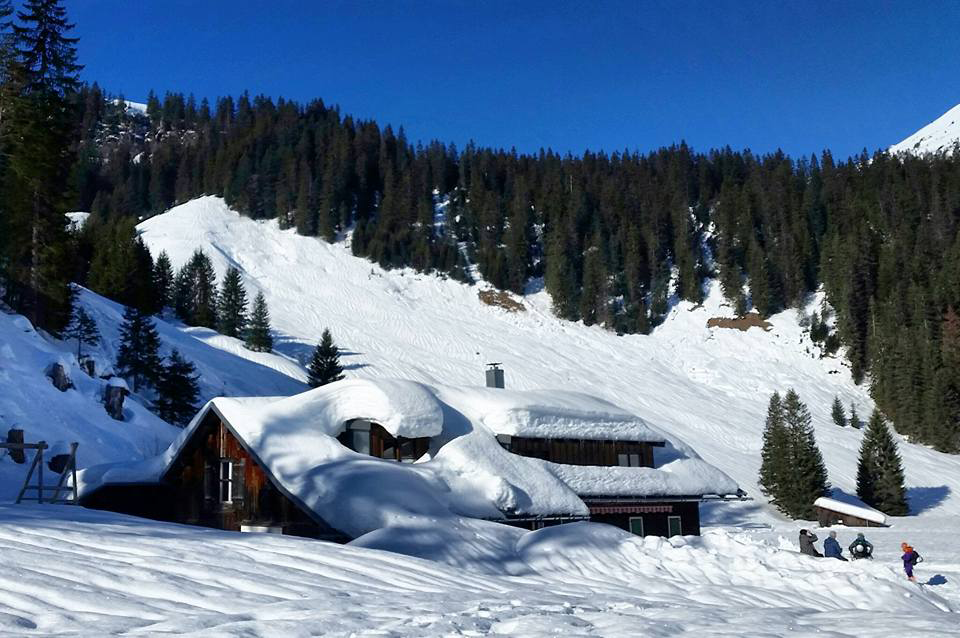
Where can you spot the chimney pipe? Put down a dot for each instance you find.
(494, 375)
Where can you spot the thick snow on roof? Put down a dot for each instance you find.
(859, 510)
(469, 473)
(551, 415)
(939, 136)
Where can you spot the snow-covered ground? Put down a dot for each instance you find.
(939, 136)
(68, 571)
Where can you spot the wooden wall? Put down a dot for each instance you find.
(826, 518)
(581, 452)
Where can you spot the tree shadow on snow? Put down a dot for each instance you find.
(922, 499)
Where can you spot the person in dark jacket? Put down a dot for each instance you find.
(861, 547)
(831, 548)
(910, 558)
(806, 544)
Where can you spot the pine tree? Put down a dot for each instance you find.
(139, 353)
(177, 391)
(232, 305)
(839, 417)
(36, 131)
(82, 328)
(163, 283)
(325, 364)
(259, 338)
(195, 291)
(855, 421)
(882, 469)
(775, 455)
(808, 480)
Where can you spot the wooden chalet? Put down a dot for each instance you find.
(234, 469)
(640, 514)
(833, 512)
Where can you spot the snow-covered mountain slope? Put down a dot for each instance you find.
(707, 386)
(939, 136)
(69, 571)
(29, 401)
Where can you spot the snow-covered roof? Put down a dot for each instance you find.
(549, 414)
(467, 473)
(850, 509)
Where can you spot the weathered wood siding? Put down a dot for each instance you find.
(581, 452)
(190, 491)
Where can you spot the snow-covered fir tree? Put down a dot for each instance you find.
(775, 455)
(232, 305)
(880, 469)
(809, 480)
(258, 337)
(163, 281)
(83, 328)
(139, 354)
(837, 413)
(325, 364)
(177, 390)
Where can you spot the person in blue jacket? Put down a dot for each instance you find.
(832, 549)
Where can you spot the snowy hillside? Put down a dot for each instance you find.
(69, 571)
(29, 401)
(707, 386)
(939, 136)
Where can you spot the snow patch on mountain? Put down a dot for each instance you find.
(939, 136)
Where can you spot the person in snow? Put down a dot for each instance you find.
(832, 549)
(910, 559)
(861, 547)
(806, 544)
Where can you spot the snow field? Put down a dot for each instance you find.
(938, 136)
(69, 571)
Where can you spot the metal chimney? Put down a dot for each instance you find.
(494, 375)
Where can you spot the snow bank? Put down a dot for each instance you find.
(860, 511)
(73, 571)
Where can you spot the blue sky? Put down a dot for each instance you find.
(800, 76)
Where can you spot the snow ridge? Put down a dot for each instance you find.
(940, 136)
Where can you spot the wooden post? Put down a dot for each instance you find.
(43, 444)
(16, 436)
(73, 471)
(26, 482)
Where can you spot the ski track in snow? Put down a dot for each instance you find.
(69, 571)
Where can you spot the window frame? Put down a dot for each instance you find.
(679, 520)
(225, 480)
(642, 526)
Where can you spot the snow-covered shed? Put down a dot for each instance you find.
(324, 463)
(849, 512)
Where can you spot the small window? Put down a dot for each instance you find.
(226, 481)
(674, 526)
(623, 460)
(634, 460)
(636, 525)
(360, 441)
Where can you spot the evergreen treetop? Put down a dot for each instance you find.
(232, 305)
(882, 484)
(837, 413)
(259, 338)
(177, 390)
(138, 356)
(324, 365)
(84, 329)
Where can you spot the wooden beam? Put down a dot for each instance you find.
(26, 482)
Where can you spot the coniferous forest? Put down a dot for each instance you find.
(615, 237)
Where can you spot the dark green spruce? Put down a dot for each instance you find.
(324, 365)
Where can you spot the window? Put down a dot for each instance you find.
(628, 460)
(226, 481)
(636, 525)
(674, 526)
